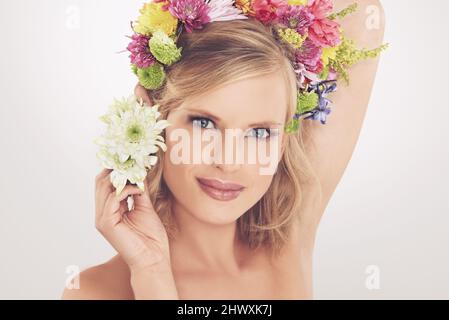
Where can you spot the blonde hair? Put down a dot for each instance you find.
(221, 53)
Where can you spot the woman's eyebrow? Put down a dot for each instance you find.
(266, 124)
(205, 114)
(218, 120)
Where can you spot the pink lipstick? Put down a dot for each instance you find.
(220, 190)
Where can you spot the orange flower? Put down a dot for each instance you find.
(246, 7)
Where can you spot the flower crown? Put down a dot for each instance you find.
(322, 54)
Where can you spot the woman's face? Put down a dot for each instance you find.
(224, 146)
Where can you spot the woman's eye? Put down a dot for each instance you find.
(260, 133)
(203, 123)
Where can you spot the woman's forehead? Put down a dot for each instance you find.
(249, 101)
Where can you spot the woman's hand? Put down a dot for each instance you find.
(138, 235)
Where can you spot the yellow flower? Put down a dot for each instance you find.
(329, 53)
(292, 37)
(153, 18)
(297, 2)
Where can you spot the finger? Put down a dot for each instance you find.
(124, 206)
(112, 205)
(129, 190)
(103, 188)
(106, 180)
(102, 174)
(144, 200)
(103, 184)
(106, 183)
(142, 93)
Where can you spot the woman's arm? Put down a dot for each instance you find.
(330, 146)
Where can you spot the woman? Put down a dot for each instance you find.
(189, 236)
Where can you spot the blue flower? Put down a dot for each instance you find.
(319, 114)
(322, 89)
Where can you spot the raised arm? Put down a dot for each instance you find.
(330, 146)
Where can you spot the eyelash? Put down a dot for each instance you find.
(193, 119)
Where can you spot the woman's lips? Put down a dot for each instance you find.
(223, 191)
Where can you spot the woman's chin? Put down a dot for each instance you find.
(210, 212)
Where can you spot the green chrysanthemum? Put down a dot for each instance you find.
(164, 49)
(135, 132)
(134, 69)
(307, 101)
(152, 77)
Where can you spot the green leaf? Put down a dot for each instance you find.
(307, 101)
(292, 126)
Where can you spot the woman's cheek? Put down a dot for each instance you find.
(259, 183)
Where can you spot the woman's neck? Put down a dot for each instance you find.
(199, 245)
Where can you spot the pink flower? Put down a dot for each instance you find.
(317, 68)
(140, 51)
(325, 32)
(295, 17)
(333, 75)
(193, 13)
(303, 76)
(309, 55)
(321, 8)
(265, 10)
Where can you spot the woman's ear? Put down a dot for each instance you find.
(142, 93)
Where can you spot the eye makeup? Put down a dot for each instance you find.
(258, 133)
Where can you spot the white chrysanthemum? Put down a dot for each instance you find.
(224, 10)
(132, 136)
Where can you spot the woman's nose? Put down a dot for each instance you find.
(230, 157)
(228, 168)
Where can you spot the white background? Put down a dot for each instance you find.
(59, 72)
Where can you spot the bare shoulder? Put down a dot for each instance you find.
(107, 281)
